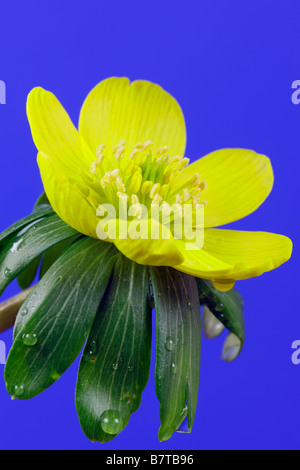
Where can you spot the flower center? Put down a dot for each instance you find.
(141, 177)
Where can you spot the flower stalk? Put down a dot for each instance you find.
(9, 309)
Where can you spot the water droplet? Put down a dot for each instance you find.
(7, 272)
(173, 368)
(16, 246)
(55, 375)
(219, 307)
(111, 422)
(24, 311)
(27, 227)
(30, 339)
(170, 343)
(18, 390)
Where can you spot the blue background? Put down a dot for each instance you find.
(231, 66)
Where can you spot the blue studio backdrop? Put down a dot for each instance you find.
(231, 65)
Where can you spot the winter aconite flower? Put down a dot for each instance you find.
(131, 145)
(126, 226)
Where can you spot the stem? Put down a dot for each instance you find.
(9, 309)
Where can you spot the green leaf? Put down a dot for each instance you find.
(114, 368)
(20, 224)
(54, 321)
(23, 248)
(53, 253)
(42, 201)
(226, 306)
(178, 338)
(26, 278)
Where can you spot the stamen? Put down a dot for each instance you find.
(156, 200)
(119, 150)
(100, 150)
(93, 168)
(134, 153)
(136, 182)
(178, 199)
(136, 205)
(164, 189)
(147, 145)
(176, 159)
(154, 190)
(162, 150)
(140, 176)
(166, 207)
(203, 185)
(109, 177)
(183, 163)
(186, 195)
(122, 196)
(120, 185)
(146, 187)
(195, 181)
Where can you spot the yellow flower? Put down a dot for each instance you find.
(130, 146)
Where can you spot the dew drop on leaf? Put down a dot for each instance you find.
(219, 307)
(111, 422)
(170, 343)
(30, 339)
(7, 273)
(18, 390)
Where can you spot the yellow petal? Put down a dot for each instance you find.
(249, 254)
(199, 263)
(116, 110)
(53, 131)
(68, 197)
(238, 181)
(152, 252)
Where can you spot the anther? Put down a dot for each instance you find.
(178, 199)
(154, 190)
(156, 200)
(100, 149)
(136, 182)
(195, 181)
(186, 195)
(146, 187)
(120, 185)
(203, 185)
(136, 205)
(162, 150)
